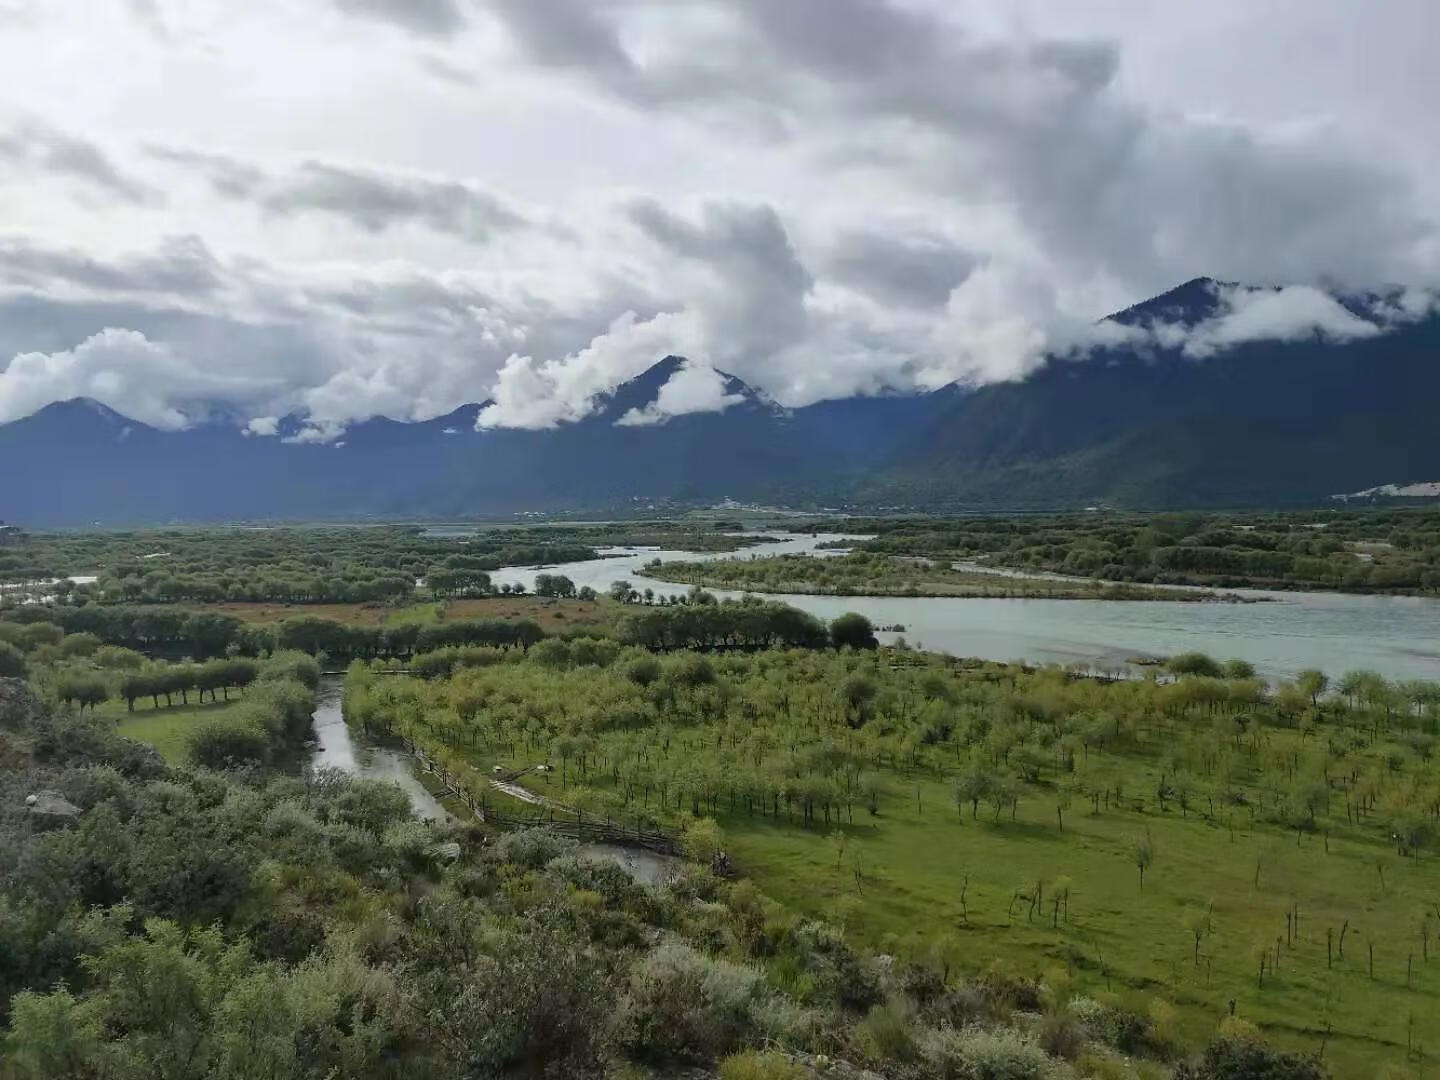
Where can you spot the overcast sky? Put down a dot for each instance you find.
(352, 207)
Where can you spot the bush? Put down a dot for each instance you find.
(12, 661)
(1062, 1036)
(531, 849)
(227, 742)
(978, 1054)
(1247, 1059)
(755, 1066)
(887, 1033)
(685, 1006)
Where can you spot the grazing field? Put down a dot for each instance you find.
(993, 820)
(167, 728)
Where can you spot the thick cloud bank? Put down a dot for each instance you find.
(365, 207)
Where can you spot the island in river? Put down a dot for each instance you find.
(863, 573)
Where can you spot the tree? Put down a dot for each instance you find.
(1194, 663)
(12, 661)
(554, 585)
(1144, 854)
(1314, 683)
(853, 630)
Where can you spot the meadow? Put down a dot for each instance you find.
(994, 820)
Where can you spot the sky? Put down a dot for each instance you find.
(348, 208)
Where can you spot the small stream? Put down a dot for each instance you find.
(343, 749)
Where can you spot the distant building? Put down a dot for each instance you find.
(9, 532)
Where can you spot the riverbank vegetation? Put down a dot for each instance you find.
(316, 565)
(224, 920)
(1174, 846)
(866, 573)
(1388, 551)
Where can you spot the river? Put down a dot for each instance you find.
(340, 749)
(1398, 636)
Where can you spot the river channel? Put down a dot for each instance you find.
(1398, 636)
(340, 748)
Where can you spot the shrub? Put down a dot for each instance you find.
(12, 661)
(225, 743)
(1248, 1059)
(978, 1054)
(531, 849)
(887, 1033)
(1061, 1035)
(684, 1006)
(755, 1066)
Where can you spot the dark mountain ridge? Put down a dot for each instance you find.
(1262, 423)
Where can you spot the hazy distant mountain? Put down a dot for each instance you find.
(86, 464)
(1148, 425)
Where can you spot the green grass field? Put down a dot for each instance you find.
(166, 728)
(912, 865)
(895, 882)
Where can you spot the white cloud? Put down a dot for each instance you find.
(694, 388)
(1293, 313)
(120, 368)
(540, 394)
(263, 426)
(823, 196)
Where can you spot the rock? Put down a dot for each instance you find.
(52, 804)
(448, 852)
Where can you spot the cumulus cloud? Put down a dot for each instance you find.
(181, 265)
(1035, 127)
(42, 149)
(119, 368)
(531, 393)
(376, 201)
(694, 388)
(1292, 313)
(436, 18)
(371, 200)
(909, 197)
(262, 426)
(913, 271)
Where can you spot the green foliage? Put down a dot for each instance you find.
(1244, 1059)
(1393, 550)
(681, 1005)
(12, 662)
(852, 631)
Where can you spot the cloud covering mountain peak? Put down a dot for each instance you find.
(528, 202)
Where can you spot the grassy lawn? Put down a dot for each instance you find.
(166, 728)
(1117, 938)
(894, 881)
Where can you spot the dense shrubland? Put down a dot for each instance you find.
(1360, 550)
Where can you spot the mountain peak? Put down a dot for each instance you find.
(81, 410)
(644, 389)
(1188, 305)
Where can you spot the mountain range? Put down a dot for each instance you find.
(1148, 425)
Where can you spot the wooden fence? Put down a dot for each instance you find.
(562, 820)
